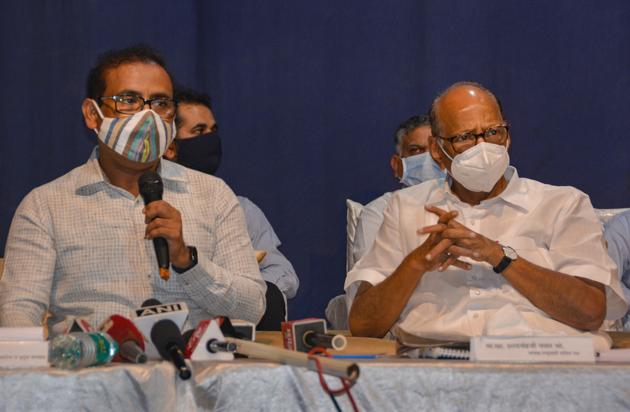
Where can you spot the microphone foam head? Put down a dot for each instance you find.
(151, 302)
(150, 185)
(164, 335)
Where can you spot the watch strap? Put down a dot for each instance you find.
(503, 264)
(193, 261)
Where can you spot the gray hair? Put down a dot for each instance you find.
(435, 125)
(407, 127)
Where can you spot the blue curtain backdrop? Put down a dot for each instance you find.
(308, 94)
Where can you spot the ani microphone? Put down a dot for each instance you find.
(152, 189)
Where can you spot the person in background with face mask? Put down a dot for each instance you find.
(81, 245)
(411, 164)
(484, 252)
(198, 146)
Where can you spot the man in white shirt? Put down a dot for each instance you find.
(485, 252)
(411, 164)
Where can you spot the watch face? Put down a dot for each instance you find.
(509, 252)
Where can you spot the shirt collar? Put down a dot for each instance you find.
(92, 179)
(515, 193)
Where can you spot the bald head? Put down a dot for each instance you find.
(463, 103)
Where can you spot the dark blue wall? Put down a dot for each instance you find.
(308, 94)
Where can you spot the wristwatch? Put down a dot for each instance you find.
(193, 261)
(509, 255)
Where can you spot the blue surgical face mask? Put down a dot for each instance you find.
(420, 168)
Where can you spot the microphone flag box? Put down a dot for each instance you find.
(146, 317)
(23, 348)
(293, 332)
(532, 349)
(247, 330)
(197, 346)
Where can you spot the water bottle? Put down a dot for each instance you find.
(81, 349)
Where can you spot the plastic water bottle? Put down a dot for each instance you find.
(81, 349)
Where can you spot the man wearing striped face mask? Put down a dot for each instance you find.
(81, 246)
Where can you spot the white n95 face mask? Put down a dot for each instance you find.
(479, 168)
(420, 168)
(142, 137)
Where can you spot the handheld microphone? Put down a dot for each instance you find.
(151, 312)
(168, 340)
(303, 335)
(129, 338)
(206, 342)
(152, 189)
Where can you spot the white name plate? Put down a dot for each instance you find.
(25, 354)
(34, 333)
(532, 349)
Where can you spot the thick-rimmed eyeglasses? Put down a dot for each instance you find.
(464, 141)
(130, 104)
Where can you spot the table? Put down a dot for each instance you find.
(384, 385)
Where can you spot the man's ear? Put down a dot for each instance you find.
(395, 162)
(171, 152)
(436, 153)
(90, 115)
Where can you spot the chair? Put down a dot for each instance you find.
(337, 310)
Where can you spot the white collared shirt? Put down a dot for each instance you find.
(553, 227)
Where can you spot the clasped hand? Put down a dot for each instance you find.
(449, 240)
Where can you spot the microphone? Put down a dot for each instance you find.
(303, 335)
(151, 189)
(130, 340)
(207, 342)
(151, 312)
(313, 339)
(168, 340)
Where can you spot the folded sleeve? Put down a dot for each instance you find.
(577, 248)
(30, 258)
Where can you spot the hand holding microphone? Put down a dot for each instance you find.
(164, 225)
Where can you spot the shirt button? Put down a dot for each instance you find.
(477, 292)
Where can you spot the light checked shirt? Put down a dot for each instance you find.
(76, 247)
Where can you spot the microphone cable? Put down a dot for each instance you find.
(346, 383)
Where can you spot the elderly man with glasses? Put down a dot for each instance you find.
(485, 252)
(81, 245)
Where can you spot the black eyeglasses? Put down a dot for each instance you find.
(130, 104)
(464, 141)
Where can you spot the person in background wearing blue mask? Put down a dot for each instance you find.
(81, 245)
(411, 164)
(484, 252)
(198, 146)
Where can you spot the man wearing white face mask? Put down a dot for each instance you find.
(81, 246)
(411, 164)
(485, 252)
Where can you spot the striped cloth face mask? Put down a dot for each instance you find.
(142, 137)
